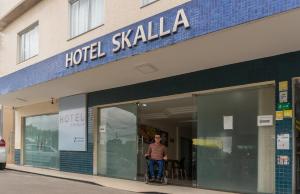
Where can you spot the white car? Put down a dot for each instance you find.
(2, 154)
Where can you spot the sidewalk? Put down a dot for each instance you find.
(128, 185)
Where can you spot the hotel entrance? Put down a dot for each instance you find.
(214, 139)
(174, 120)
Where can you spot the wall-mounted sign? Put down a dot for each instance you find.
(103, 126)
(283, 141)
(72, 123)
(228, 122)
(283, 160)
(283, 86)
(288, 113)
(284, 106)
(279, 115)
(265, 120)
(128, 39)
(283, 96)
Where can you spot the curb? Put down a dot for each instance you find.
(76, 180)
(53, 176)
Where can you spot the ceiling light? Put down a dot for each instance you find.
(21, 99)
(152, 116)
(146, 68)
(181, 110)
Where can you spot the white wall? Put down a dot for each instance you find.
(8, 131)
(7, 5)
(53, 18)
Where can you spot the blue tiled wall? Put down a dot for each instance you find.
(205, 16)
(284, 173)
(80, 162)
(17, 156)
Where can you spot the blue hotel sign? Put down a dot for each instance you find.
(123, 40)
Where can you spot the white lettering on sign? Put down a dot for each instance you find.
(72, 119)
(162, 31)
(121, 40)
(72, 123)
(151, 36)
(140, 35)
(265, 120)
(94, 51)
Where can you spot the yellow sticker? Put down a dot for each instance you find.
(283, 86)
(288, 113)
(279, 115)
(213, 143)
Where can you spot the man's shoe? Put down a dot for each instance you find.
(152, 179)
(158, 179)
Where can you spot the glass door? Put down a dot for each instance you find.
(233, 151)
(117, 146)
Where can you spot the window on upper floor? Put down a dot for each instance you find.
(85, 15)
(28, 42)
(147, 2)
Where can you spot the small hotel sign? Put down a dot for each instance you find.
(72, 123)
(122, 40)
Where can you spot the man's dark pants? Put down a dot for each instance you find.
(160, 164)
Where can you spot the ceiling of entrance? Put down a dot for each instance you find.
(181, 108)
(267, 37)
(178, 112)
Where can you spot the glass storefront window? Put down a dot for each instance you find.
(117, 146)
(41, 141)
(230, 151)
(233, 153)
